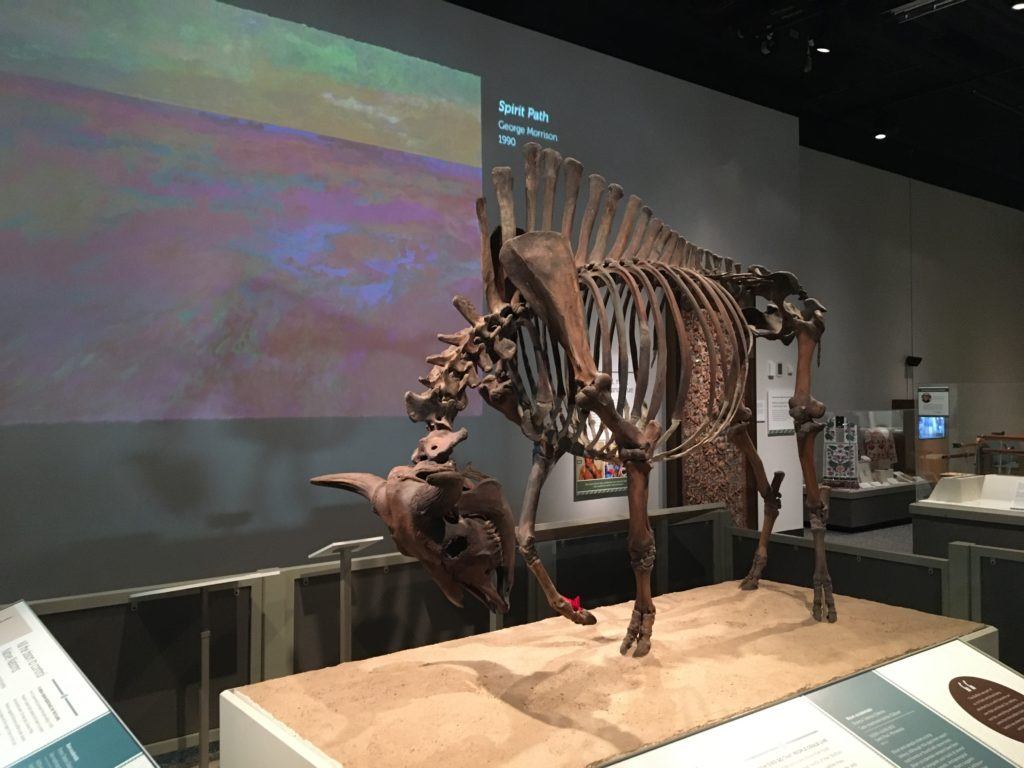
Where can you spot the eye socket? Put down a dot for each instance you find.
(433, 447)
(456, 546)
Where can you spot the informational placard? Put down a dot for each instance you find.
(779, 420)
(1018, 497)
(933, 401)
(969, 689)
(789, 735)
(948, 707)
(50, 714)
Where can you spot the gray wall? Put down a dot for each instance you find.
(88, 507)
(908, 268)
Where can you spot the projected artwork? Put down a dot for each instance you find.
(210, 213)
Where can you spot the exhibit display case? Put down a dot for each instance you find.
(882, 443)
(1000, 454)
(984, 509)
(869, 464)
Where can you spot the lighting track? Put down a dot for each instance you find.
(919, 8)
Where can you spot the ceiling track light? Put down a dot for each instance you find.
(918, 8)
(817, 47)
(882, 126)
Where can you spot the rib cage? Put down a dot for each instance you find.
(645, 289)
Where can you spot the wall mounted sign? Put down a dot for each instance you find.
(933, 401)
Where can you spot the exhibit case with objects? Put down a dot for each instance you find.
(869, 465)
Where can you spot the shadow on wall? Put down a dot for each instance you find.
(97, 506)
(146, 559)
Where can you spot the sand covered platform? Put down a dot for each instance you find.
(556, 694)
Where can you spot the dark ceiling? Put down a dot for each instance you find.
(946, 85)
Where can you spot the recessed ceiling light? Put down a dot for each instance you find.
(823, 49)
(1018, 6)
(880, 136)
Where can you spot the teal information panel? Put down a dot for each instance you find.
(947, 707)
(102, 743)
(901, 728)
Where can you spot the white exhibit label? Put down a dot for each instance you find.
(50, 714)
(1018, 497)
(779, 420)
(948, 707)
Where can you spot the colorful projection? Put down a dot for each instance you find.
(210, 213)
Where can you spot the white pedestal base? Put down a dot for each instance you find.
(251, 738)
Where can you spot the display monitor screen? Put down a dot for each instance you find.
(929, 427)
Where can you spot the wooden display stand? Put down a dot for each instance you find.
(552, 693)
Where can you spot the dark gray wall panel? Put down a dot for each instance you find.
(596, 568)
(1002, 585)
(691, 551)
(903, 584)
(933, 535)
(392, 609)
(145, 661)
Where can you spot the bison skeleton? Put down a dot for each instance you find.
(569, 308)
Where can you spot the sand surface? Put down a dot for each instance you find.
(556, 694)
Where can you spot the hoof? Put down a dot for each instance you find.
(824, 606)
(574, 612)
(641, 626)
(754, 575)
(585, 617)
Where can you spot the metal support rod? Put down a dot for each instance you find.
(345, 605)
(661, 565)
(496, 621)
(204, 678)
